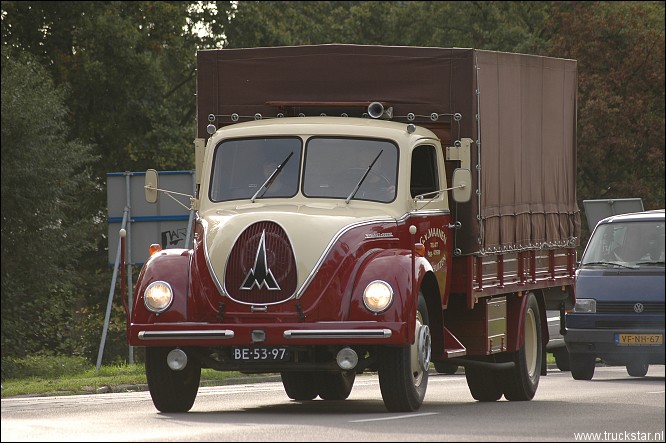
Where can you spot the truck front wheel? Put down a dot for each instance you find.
(171, 391)
(403, 372)
(521, 382)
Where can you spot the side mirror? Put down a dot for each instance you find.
(151, 186)
(462, 185)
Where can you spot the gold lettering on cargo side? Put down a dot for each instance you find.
(435, 241)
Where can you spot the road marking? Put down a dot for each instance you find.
(397, 417)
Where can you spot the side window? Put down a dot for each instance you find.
(424, 171)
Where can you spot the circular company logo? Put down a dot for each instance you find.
(638, 308)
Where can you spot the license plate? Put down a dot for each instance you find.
(639, 339)
(260, 354)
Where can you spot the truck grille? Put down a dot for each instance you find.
(261, 268)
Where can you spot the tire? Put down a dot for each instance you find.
(335, 385)
(171, 391)
(445, 368)
(299, 385)
(484, 384)
(562, 360)
(403, 372)
(582, 366)
(637, 368)
(521, 382)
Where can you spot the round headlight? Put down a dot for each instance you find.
(378, 296)
(158, 296)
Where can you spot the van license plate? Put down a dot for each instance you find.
(260, 354)
(639, 339)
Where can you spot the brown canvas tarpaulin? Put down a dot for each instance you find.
(526, 128)
(527, 151)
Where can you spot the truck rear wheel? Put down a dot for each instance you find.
(299, 385)
(403, 372)
(335, 385)
(521, 382)
(171, 391)
(562, 359)
(582, 366)
(483, 384)
(445, 368)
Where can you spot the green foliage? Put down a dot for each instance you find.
(504, 26)
(128, 72)
(43, 231)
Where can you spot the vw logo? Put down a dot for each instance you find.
(638, 308)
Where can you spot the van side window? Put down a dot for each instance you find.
(424, 171)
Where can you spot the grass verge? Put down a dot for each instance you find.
(118, 378)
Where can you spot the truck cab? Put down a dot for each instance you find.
(357, 233)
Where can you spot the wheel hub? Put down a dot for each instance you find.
(424, 347)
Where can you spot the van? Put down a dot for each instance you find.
(618, 316)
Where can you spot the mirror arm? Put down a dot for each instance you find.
(168, 193)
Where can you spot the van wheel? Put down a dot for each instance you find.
(521, 382)
(171, 391)
(336, 385)
(299, 385)
(582, 366)
(403, 372)
(637, 368)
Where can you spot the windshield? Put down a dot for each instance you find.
(242, 167)
(632, 243)
(334, 167)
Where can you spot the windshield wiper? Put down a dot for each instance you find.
(360, 182)
(653, 263)
(271, 178)
(608, 263)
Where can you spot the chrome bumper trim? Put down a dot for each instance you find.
(185, 335)
(337, 333)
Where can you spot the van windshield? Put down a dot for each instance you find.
(628, 244)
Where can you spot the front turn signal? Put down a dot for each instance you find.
(154, 248)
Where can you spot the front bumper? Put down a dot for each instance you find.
(261, 334)
(605, 345)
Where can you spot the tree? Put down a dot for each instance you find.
(43, 231)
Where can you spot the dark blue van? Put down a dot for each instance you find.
(619, 312)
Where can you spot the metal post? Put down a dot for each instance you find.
(130, 286)
(110, 300)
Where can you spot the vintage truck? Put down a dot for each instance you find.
(368, 209)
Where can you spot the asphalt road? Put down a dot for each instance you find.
(611, 407)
